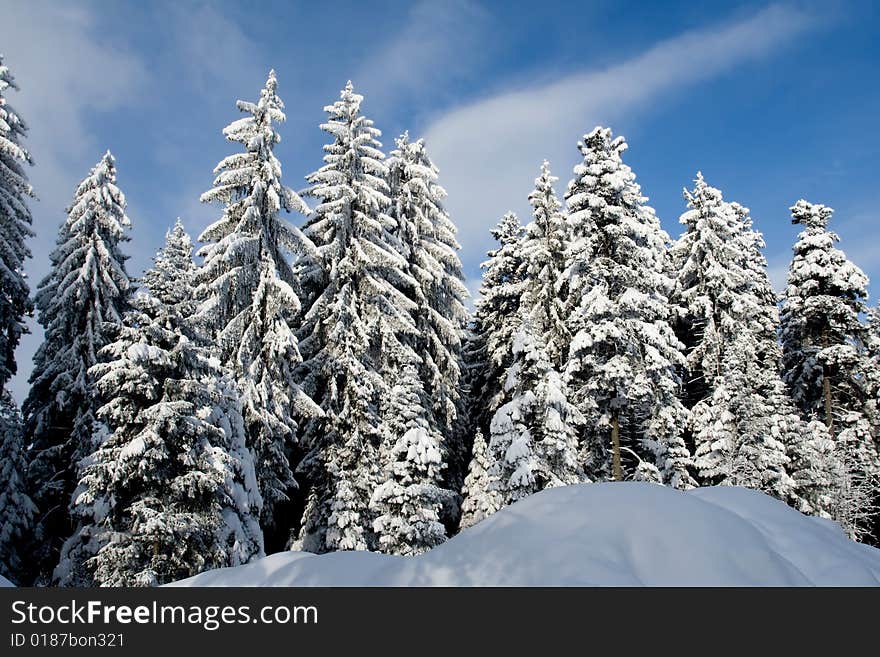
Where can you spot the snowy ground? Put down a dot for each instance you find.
(5, 583)
(615, 534)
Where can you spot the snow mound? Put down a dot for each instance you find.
(5, 583)
(611, 534)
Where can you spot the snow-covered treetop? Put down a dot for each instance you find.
(15, 228)
(612, 228)
(249, 185)
(818, 268)
(508, 230)
(170, 279)
(353, 176)
(99, 208)
(12, 129)
(543, 251)
(811, 215)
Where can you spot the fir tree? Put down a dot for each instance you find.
(823, 337)
(481, 496)
(534, 443)
(15, 228)
(357, 320)
(488, 352)
(251, 300)
(711, 300)
(409, 501)
(543, 254)
(743, 426)
(624, 354)
(80, 305)
(428, 243)
(17, 511)
(740, 437)
(170, 491)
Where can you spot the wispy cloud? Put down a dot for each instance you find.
(439, 44)
(489, 151)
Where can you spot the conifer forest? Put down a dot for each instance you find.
(310, 373)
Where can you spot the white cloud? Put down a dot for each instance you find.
(489, 151)
(66, 74)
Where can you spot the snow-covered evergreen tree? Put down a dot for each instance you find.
(543, 254)
(17, 511)
(534, 441)
(872, 367)
(358, 320)
(488, 351)
(726, 316)
(823, 337)
(427, 241)
(741, 440)
(480, 493)
(815, 468)
(711, 299)
(249, 290)
(15, 228)
(409, 501)
(624, 354)
(80, 304)
(170, 490)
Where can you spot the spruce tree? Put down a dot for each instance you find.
(17, 511)
(739, 436)
(823, 337)
(171, 489)
(488, 351)
(357, 323)
(409, 502)
(543, 254)
(427, 240)
(15, 228)
(80, 305)
(710, 300)
(743, 426)
(481, 494)
(534, 441)
(624, 355)
(250, 298)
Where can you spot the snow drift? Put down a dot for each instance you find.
(612, 534)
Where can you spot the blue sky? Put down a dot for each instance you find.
(773, 102)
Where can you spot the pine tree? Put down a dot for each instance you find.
(80, 305)
(358, 320)
(170, 491)
(534, 443)
(409, 502)
(250, 297)
(17, 511)
(428, 243)
(624, 354)
(15, 228)
(823, 337)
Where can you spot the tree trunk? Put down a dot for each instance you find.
(826, 386)
(615, 447)
(826, 391)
